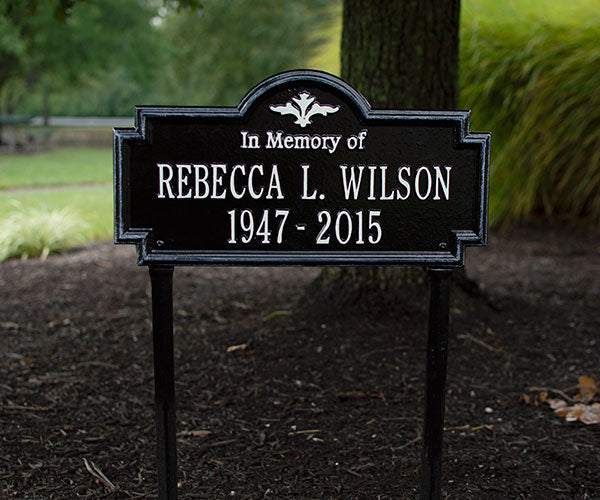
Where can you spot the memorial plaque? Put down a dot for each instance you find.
(303, 171)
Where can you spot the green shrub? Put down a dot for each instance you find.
(531, 77)
(36, 232)
(94, 205)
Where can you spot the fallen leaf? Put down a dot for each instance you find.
(559, 406)
(588, 414)
(587, 389)
(524, 398)
(581, 411)
(556, 403)
(574, 413)
(238, 347)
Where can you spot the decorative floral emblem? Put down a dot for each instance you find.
(304, 107)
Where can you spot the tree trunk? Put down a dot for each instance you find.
(400, 54)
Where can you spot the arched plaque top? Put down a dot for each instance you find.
(309, 76)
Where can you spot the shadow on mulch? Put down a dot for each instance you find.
(277, 401)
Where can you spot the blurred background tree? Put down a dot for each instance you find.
(219, 52)
(48, 58)
(100, 58)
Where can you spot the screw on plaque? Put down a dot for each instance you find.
(443, 245)
(160, 243)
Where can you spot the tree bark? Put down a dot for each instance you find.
(400, 54)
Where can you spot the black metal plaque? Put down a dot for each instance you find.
(303, 171)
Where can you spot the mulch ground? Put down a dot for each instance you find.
(278, 400)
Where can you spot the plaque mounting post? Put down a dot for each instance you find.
(161, 278)
(435, 384)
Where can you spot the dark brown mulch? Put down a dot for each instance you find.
(275, 401)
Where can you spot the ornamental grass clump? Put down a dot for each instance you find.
(38, 232)
(535, 83)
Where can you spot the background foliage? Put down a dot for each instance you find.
(109, 55)
(46, 61)
(529, 71)
(218, 54)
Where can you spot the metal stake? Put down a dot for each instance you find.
(435, 385)
(161, 278)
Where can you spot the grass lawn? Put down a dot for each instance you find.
(60, 166)
(93, 204)
(52, 199)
